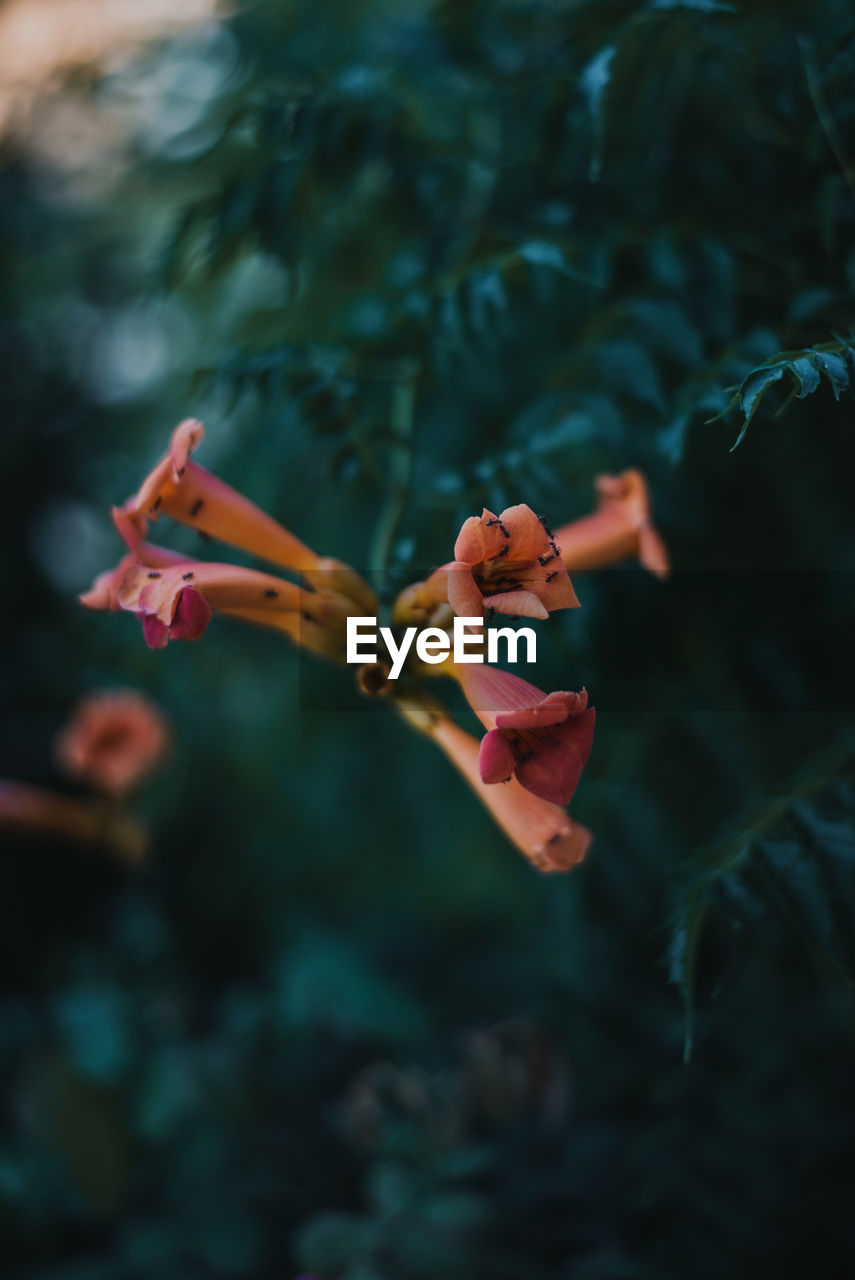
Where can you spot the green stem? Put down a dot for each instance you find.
(401, 454)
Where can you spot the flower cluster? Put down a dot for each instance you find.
(527, 764)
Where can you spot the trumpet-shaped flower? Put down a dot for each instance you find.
(176, 603)
(543, 740)
(178, 487)
(175, 596)
(112, 740)
(502, 564)
(104, 592)
(621, 527)
(544, 832)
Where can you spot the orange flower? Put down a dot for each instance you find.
(103, 594)
(502, 564)
(32, 811)
(543, 740)
(180, 488)
(174, 596)
(176, 603)
(112, 740)
(620, 527)
(544, 832)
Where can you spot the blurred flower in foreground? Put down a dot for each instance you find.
(543, 740)
(544, 832)
(98, 824)
(621, 527)
(502, 564)
(114, 739)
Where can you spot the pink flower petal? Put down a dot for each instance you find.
(478, 540)
(155, 632)
(192, 615)
(544, 713)
(558, 593)
(528, 538)
(463, 594)
(554, 770)
(552, 709)
(491, 692)
(102, 593)
(185, 438)
(495, 758)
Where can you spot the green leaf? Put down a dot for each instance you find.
(835, 362)
(794, 859)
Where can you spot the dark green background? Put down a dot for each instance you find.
(404, 260)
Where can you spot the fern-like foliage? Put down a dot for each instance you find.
(804, 370)
(793, 859)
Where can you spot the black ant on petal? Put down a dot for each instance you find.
(497, 520)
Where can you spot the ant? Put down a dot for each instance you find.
(546, 528)
(197, 507)
(157, 502)
(504, 551)
(497, 520)
(185, 576)
(153, 574)
(271, 593)
(542, 560)
(552, 575)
